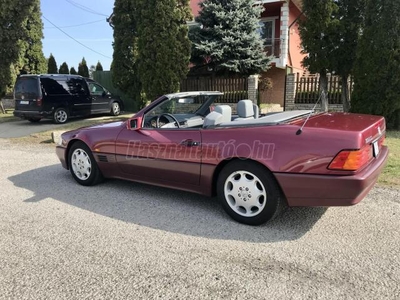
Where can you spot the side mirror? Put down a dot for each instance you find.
(134, 123)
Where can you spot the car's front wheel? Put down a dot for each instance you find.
(60, 115)
(115, 109)
(249, 192)
(82, 165)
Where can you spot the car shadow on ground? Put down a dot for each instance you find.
(162, 208)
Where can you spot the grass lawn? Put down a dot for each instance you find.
(391, 174)
(8, 117)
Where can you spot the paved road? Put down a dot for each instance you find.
(23, 128)
(124, 240)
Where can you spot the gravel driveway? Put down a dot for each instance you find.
(123, 240)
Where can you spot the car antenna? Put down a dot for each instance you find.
(298, 132)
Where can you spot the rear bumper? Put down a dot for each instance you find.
(329, 190)
(61, 151)
(25, 114)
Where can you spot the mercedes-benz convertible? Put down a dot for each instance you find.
(255, 164)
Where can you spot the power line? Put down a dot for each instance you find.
(77, 25)
(85, 8)
(75, 39)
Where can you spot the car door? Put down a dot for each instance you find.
(80, 102)
(100, 98)
(164, 155)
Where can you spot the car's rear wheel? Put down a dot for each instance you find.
(83, 166)
(60, 115)
(249, 192)
(115, 109)
(34, 120)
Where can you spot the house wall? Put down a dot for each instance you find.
(194, 5)
(294, 56)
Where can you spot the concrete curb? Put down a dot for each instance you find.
(56, 136)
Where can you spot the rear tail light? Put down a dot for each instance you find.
(352, 160)
(39, 102)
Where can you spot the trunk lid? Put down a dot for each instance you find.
(369, 128)
(363, 131)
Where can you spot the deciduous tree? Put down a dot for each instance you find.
(14, 35)
(31, 58)
(72, 71)
(52, 65)
(349, 18)
(318, 39)
(125, 75)
(63, 69)
(377, 69)
(99, 67)
(83, 69)
(163, 46)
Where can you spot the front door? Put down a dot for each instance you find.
(100, 98)
(170, 155)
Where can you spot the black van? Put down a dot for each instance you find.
(60, 96)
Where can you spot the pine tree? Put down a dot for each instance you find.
(72, 71)
(32, 59)
(163, 45)
(14, 16)
(227, 39)
(63, 69)
(99, 67)
(83, 69)
(125, 75)
(52, 65)
(317, 38)
(377, 69)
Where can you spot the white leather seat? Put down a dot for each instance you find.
(212, 119)
(225, 111)
(245, 110)
(256, 111)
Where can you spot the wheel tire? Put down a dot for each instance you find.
(60, 115)
(34, 120)
(249, 193)
(83, 166)
(115, 109)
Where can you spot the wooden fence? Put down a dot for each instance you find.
(307, 89)
(234, 89)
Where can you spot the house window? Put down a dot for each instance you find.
(266, 31)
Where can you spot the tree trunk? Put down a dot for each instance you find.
(323, 89)
(345, 93)
(2, 107)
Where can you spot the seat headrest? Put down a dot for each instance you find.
(212, 119)
(225, 111)
(245, 109)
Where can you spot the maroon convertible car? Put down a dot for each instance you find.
(256, 165)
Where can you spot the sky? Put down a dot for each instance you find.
(84, 21)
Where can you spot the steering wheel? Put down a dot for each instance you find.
(169, 115)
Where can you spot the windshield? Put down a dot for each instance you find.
(184, 105)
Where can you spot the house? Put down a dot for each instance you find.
(280, 32)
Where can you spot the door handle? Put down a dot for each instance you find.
(190, 143)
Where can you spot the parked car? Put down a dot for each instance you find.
(58, 97)
(255, 165)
